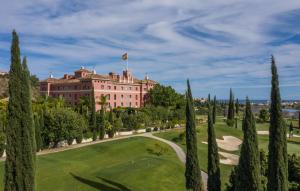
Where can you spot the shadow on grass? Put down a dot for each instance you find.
(114, 186)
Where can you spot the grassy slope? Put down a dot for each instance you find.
(126, 162)
(221, 130)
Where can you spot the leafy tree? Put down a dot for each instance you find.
(248, 169)
(165, 96)
(102, 123)
(111, 131)
(230, 113)
(278, 167)
(294, 172)
(263, 115)
(20, 150)
(214, 113)
(192, 171)
(213, 167)
(37, 125)
(93, 125)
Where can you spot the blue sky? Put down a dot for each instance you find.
(217, 44)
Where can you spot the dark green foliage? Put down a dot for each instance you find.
(192, 171)
(111, 132)
(20, 150)
(294, 170)
(248, 169)
(230, 113)
(263, 169)
(277, 168)
(231, 186)
(37, 125)
(165, 96)
(214, 112)
(102, 123)
(92, 121)
(213, 165)
(237, 106)
(63, 124)
(2, 143)
(263, 115)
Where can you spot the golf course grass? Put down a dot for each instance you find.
(221, 130)
(128, 164)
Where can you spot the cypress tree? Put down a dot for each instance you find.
(20, 150)
(102, 123)
(192, 171)
(93, 125)
(28, 131)
(237, 106)
(213, 166)
(277, 163)
(248, 169)
(230, 113)
(214, 113)
(37, 125)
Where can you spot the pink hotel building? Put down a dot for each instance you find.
(120, 90)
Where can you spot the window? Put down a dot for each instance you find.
(109, 87)
(122, 104)
(136, 104)
(129, 104)
(115, 87)
(122, 87)
(122, 96)
(136, 97)
(115, 97)
(129, 88)
(115, 104)
(129, 96)
(136, 88)
(108, 96)
(102, 86)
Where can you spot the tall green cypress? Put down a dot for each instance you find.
(93, 125)
(28, 133)
(213, 165)
(102, 123)
(237, 106)
(20, 150)
(277, 163)
(248, 169)
(192, 171)
(214, 113)
(230, 113)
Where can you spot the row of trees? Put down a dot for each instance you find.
(30, 125)
(249, 174)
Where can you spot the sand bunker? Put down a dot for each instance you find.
(231, 159)
(229, 143)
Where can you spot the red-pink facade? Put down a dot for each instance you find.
(120, 90)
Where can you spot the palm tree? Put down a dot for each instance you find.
(103, 102)
(84, 104)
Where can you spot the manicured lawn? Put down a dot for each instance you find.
(119, 165)
(222, 130)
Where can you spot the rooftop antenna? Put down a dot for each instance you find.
(50, 75)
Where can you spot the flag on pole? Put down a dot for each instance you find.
(125, 56)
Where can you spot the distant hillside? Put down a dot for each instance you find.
(4, 86)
